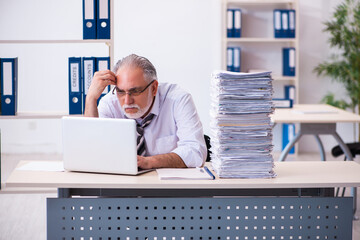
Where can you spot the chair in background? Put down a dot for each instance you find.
(208, 146)
(353, 147)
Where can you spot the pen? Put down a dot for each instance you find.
(209, 172)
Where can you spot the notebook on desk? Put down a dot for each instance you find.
(100, 145)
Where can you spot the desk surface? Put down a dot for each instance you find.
(313, 113)
(297, 174)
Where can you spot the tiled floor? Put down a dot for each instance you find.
(23, 216)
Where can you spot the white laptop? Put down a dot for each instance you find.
(100, 145)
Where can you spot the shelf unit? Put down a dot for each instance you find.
(251, 41)
(52, 114)
(259, 48)
(108, 42)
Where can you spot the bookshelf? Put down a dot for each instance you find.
(259, 48)
(24, 43)
(46, 43)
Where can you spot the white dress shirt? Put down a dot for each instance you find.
(175, 128)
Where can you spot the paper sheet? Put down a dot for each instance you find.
(46, 166)
(183, 173)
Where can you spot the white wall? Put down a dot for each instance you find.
(181, 38)
(313, 50)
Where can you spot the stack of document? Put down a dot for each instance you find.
(241, 132)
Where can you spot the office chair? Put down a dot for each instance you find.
(353, 147)
(208, 146)
(337, 151)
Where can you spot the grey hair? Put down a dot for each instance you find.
(134, 60)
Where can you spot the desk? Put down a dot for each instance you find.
(140, 207)
(315, 119)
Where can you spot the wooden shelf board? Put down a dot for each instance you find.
(37, 115)
(260, 40)
(261, 2)
(106, 41)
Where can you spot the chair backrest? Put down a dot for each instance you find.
(208, 146)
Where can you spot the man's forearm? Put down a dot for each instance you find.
(168, 160)
(91, 108)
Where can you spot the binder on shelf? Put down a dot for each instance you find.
(229, 59)
(288, 133)
(230, 23)
(75, 86)
(277, 23)
(284, 23)
(103, 63)
(292, 23)
(289, 61)
(88, 64)
(8, 78)
(237, 23)
(103, 19)
(289, 92)
(89, 19)
(282, 102)
(233, 59)
(237, 59)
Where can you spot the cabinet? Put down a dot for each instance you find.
(45, 96)
(260, 50)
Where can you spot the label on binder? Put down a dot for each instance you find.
(291, 20)
(89, 10)
(103, 9)
(277, 20)
(292, 58)
(88, 70)
(8, 76)
(229, 59)
(75, 75)
(285, 25)
(230, 24)
(236, 59)
(103, 65)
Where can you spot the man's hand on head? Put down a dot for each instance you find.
(100, 81)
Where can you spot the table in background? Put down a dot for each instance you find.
(297, 204)
(315, 119)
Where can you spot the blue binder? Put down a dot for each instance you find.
(288, 132)
(289, 61)
(292, 23)
(8, 78)
(230, 23)
(89, 19)
(75, 86)
(103, 63)
(103, 19)
(284, 24)
(277, 23)
(236, 59)
(289, 92)
(88, 69)
(237, 23)
(230, 59)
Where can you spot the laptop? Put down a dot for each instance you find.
(101, 145)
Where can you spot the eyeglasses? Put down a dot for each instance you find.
(133, 92)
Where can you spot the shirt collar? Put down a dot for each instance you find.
(156, 106)
(154, 110)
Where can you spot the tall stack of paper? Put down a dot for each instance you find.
(241, 133)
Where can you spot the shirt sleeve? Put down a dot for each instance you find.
(104, 108)
(191, 146)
